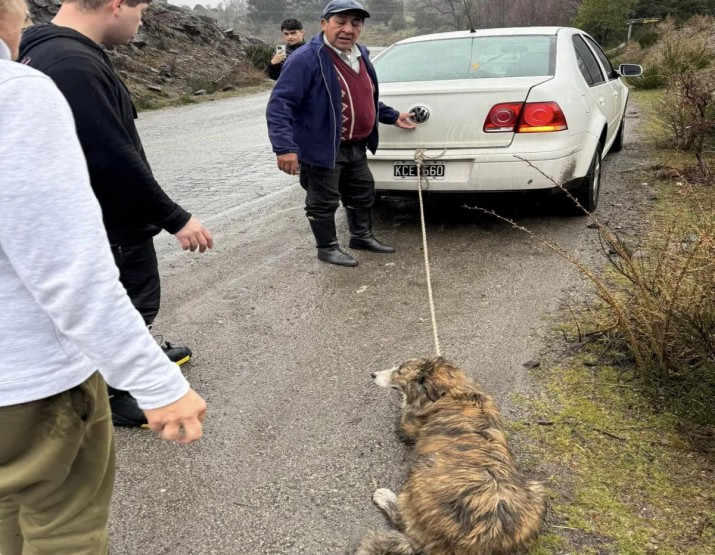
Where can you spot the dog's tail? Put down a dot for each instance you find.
(384, 542)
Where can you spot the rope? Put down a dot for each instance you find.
(420, 157)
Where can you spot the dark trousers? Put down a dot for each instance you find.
(139, 273)
(350, 181)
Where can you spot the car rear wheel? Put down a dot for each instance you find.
(617, 145)
(587, 192)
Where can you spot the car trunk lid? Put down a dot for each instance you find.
(451, 114)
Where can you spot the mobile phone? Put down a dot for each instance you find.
(281, 48)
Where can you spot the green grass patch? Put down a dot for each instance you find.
(649, 102)
(622, 480)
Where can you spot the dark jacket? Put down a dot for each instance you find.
(305, 106)
(274, 70)
(134, 206)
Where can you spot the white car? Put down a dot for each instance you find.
(492, 103)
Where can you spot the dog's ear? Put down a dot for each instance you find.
(432, 390)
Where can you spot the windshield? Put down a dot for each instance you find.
(468, 58)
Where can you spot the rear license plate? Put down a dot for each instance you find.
(410, 170)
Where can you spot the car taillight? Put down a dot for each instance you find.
(520, 117)
(540, 117)
(503, 117)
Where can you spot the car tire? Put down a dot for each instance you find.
(587, 192)
(617, 145)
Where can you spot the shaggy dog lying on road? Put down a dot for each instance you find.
(463, 494)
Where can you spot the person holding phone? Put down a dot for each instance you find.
(293, 34)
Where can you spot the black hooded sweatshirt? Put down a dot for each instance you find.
(274, 71)
(133, 204)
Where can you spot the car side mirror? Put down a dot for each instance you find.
(630, 70)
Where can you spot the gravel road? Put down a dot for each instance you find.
(297, 436)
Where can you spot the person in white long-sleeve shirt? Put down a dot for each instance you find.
(63, 315)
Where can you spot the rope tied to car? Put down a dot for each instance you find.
(420, 157)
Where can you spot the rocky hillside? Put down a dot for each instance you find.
(177, 54)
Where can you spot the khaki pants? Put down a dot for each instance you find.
(57, 473)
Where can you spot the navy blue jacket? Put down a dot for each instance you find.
(304, 111)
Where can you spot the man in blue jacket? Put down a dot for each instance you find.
(324, 112)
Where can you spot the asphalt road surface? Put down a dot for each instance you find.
(297, 437)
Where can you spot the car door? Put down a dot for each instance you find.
(600, 90)
(618, 92)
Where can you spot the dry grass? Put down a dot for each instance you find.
(623, 429)
(683, 62)
(658, 302)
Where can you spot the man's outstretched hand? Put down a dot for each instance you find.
(194, 236)
(404, 121)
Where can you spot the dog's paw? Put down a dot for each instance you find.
(384, 498)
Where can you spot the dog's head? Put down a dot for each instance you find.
(422, 380)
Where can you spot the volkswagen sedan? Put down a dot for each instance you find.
(511, 109)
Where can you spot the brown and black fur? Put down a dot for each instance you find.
(463, 494)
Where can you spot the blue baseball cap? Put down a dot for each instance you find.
(339, 6)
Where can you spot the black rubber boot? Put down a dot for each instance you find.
(361, 237)
(326, 240)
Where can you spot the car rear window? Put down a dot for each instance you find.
(468, 58)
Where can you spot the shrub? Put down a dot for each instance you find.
(385, 35)
(662, 307)
(145, 103)
(259, 55)
(243, 74)
(197, 83)
(684, 60)
(398, 22)
(634, 53)
(658, 306)
(648, 38)
(649, 80)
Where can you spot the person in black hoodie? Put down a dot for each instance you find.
(134, 206)
(293, 34)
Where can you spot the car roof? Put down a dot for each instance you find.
(504, 31)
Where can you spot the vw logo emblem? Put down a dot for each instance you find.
(421, 114)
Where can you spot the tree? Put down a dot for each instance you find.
(307, 11)
(452, 14)
(398, 22)
(228, 11)
(437, 14)
(261, 11)
(679, 9)
(382, 11)
(605, 19)
(546, 12)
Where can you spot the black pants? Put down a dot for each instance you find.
(350, 181)
(139, 273)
